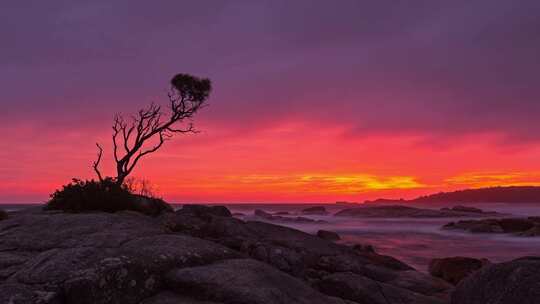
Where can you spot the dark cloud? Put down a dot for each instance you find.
(452, 68)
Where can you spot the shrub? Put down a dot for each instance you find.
(107, 196)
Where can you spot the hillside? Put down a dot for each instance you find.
(513, 194)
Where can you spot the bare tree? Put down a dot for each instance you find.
(145, 132)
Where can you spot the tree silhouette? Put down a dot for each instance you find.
(146, 131)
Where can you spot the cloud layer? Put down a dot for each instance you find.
(378, 89)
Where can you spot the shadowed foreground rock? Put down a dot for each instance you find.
(328, 235)
(519, 226)
(512, 282)
(3, 215)
(196, 255)
(455, 269)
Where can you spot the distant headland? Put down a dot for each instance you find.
(510, 194)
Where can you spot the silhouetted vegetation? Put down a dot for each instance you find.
(105, 195)
(131, 137)
(142, 134)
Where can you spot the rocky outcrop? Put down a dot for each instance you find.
(263, 215)
(328, 235)
(3, 215)
(464, 209)
(204, 211)
(505, 283)
(519, 226)
(317, 210)
(396, 211)
(195, 255)
(455, 269)
(244, 281)
(151, 206)
(361, 289)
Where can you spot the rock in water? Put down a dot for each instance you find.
(518, 226)
(397, 211)
(328, 235)
(263, 214)
(464, 209)
(3, 215)
(455, 269)
(318, 210)
(512, 282)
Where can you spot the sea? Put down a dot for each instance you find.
(412, 240)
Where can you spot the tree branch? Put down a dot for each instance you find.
(96, 163)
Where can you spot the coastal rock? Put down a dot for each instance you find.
(518, 226)
(278, 218)
(361, 289)
(263, 214)
(397, 211)
(455, 269)
(534, 231)
(3, 215)
(191, 256)
(328, 235)
(168, 297)
(151, 206)
(311, 258)
(364, 248)
(505, 283)
(204, 211)
(243, 281)
(317, 210)
(464, 209)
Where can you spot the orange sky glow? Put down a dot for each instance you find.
(290, 162)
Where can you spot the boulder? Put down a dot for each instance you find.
(455, 269)
(204, 211)
(505, 283)
(503, 225)
(317, 210)
(534, 231)
(363, 290)
(364, 248)
(3, 215)
(243, 281)
(168, 297)
(328, 235)
(151, 206)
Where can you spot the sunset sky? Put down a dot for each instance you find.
(313, 101)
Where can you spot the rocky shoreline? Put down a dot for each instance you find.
(517, 226)
(202, 255)
(399, 211)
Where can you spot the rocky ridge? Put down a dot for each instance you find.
(195, 255)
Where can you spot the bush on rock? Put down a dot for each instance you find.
(106, 195)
